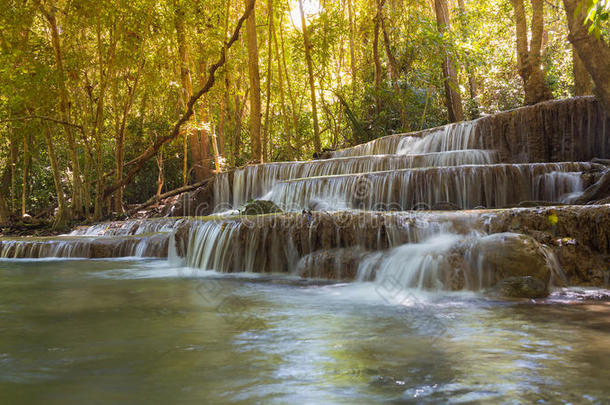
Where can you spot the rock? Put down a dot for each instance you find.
(521, 287)
(579, 264)
(260, 207)
(598, 191)
(333, 264)
(512, 254)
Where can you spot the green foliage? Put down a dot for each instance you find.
(113, 48)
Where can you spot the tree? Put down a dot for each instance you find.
(64, 105)
(312, 82)
(255, 90)
(528, 56)
(452, 89)
(592, 49)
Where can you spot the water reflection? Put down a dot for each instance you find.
(76, 332)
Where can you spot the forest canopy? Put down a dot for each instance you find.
(106, 103)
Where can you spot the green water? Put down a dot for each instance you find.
(126, 332)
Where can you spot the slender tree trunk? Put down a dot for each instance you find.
(64, 106)
(4, 208)
(376, 58)
(269, 78)
(594, 52)
(394, 71)
(224, 100)
(27, 160)
(120, 139)
(14, 151)
(285, 120)
(472, 82)
(312, 86)
(352, 46)
(160, 176)
(106, 71)
(530, 69)
(255, 90)
(293, 105)
(62, 215)
(452, 90)
(193, 139)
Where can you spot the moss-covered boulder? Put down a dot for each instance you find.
(521, 287)
(513, 255)
(260, 207)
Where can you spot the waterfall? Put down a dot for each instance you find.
(154, 245)
(443, 262)
(130, 227)
(457, 187)
(564, 187)
(255, 181)
(452, 137)
(388, 210)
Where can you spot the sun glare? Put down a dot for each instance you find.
(310, 8)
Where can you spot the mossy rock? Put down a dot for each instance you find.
(522, 287)
(260, 207)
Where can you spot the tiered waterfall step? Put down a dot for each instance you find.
(151, 245)
(343, 245)
(254, 181)
(576, 129)
(453, 187)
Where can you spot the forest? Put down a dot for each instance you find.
(105, 104)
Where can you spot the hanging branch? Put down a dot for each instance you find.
(154, 148)
(168, 194)
(40, 117)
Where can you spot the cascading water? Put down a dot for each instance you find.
(563, 187)
(257, 180)
(461, 187)
(458, 166)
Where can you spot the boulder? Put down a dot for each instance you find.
(512, 255)
(260, 207)
(521, 287)
(333, 264)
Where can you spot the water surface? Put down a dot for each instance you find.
(141, 332)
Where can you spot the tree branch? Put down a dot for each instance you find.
(154, 148)
(40, 117)
(168, 194)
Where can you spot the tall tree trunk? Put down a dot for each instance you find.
(106, 71)
(530, 69)
(255, 90)
(317, 144)
(394, 72)
(376, 58)
(27, 160)
(472, 82)
(452, 92)
(280, 78)
(64, 110)
(120, 139)
(160, 175)
(293, 105)
(269, 77)
(583, 85)
(193, 138)
(352, 46)
(62, 215)
(224, 100)
(4, 208)
(594, 52)
(14, 151)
